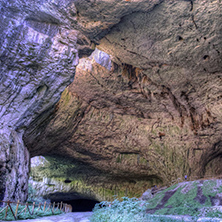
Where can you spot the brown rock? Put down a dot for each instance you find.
(153, 117)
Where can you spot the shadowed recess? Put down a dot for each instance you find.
(79, 203)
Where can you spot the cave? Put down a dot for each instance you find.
(79, 203)
(128, 101)
(82, 205)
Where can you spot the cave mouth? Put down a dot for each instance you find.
(79, 203)
(82, 205)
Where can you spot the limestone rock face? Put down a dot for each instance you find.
(14, 165)
(155, 116)
(112, 126)
(175, 34)
(38, 55)
(96, 18)
(151, 115)
(58, 180)
(177, 48)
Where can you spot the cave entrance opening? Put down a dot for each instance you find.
(82, 205)
(79, 203)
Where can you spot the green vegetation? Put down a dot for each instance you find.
(52, 168)
(214, 213)
(158, 197)
(184, 203)
(190, 198)
(186, 200)
(207, 188)
(127, 210)
(56, 170)
(33, 197)
(26, 215)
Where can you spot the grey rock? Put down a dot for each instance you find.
(37, 61)
(101, 58)
(14, 166)
(147, 195)
(38, 55)
(174, 45)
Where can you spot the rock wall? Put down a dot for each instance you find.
(61, 179)
(38, 56)
(107, 121)
(151, 117)
(177, 48)
(14, 166)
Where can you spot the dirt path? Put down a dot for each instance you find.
(69, 217)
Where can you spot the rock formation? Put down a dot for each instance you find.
(149, 116)
(38, 58)
(189, 198)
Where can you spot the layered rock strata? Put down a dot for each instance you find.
(38, 56)
(151, 117)
(107, 121)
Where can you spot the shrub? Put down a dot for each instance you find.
(127, 210)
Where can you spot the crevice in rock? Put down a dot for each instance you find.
(96, 79)
(200, 197)
(206, 57)
(211, 154)
(178, 106)
(164, 200)
(191, 2)
(195, 24)
(49, 28)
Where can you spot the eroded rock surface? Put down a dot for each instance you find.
(114, 128)
(155, 115)
(151, 115)
(38, 56)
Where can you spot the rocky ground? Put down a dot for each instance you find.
(194, 198)
(145, 113)
(85, 217)
(69, 217)
(189, 201)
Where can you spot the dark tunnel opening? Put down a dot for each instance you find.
(82, 205)
(78, 202)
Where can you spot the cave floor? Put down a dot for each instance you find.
(84, 217)
(68, 217)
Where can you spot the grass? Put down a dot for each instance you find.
(189, 199)
(183, 203)
(215, 213)
(24, 216)
(129, 209)
(187, 202)
(126, 210)
(158, 197)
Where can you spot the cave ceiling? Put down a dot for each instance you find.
(140, 85)
(155, 111)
